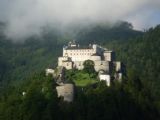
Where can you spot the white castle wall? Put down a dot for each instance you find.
(105, 77)
(95, 58)
(102, 65)
(79, 54)
(68, 65)
(118, 66)
(109, 56)
(95, 53)
(66, 91)
(62, 59)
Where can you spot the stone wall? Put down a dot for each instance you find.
(78, 65)
(78, 54)
(95, 58)
(102, 65)
(98, 65)
(68, 65)
(62, 59)
(109, 55)
(66, 91)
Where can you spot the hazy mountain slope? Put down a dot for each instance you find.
(130, 100)
(21, 59)
(142, 56)
(102, 33)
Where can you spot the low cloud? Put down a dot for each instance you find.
(26, 17)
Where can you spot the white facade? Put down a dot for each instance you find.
(74, 57)
(105, 77)
(79, 54)
(108, 55)
(118, 66)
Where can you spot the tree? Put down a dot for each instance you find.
(89, 66)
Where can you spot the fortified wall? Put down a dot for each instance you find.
(66, 91)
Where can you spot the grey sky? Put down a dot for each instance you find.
(25, 17)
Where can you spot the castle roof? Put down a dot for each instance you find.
(78, 47)
(72, 45)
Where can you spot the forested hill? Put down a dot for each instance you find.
(18, 60)
(102, 33)
(139, 52)
(141, 56)
(137, 97)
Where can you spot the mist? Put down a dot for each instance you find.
(26, 17)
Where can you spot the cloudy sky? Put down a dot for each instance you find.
(25, 17)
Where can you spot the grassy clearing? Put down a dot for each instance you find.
(81, 78)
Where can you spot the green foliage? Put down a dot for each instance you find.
(102, 33)
(89, 66)
(137, 98)
(92, 102)
(19, 60)
(39, 102)
(141, 55)
(81, 78)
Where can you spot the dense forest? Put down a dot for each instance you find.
(22, 66)
(129, 100)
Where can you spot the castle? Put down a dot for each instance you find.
(75, 55)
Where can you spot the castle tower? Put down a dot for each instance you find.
(66, 91)
(109, 56)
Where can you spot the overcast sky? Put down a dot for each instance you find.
(25, 17)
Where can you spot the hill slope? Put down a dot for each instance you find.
(141, 55)
(20, 60)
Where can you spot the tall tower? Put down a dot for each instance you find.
(109, 56)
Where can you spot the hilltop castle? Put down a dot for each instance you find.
(75, 55)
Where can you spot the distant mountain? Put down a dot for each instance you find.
(21, 59)
(103, 33)
(136, 97)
